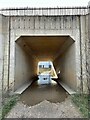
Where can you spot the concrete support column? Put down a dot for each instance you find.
(4, 41)
(88, 49)
(77, 59)
(88, 59)
(6, 53)
(83, 52)
(12, 61)
(1, 60)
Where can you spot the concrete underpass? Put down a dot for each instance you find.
(29, 50)
(29, 36)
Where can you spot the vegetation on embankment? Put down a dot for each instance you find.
(82, 102)
(8, 105)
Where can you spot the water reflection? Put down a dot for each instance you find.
(37, 93)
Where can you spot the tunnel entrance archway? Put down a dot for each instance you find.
(29, 50)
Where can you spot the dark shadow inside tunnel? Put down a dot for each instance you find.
(29, 50)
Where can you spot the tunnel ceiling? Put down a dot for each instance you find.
(45, 47)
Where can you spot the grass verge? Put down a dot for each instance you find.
(82, 102)
(8, 106)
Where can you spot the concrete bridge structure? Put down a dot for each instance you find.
(30, 35)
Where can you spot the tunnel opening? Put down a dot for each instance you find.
(46, 72)
(30, 50)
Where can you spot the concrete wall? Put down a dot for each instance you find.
(67, 66)
(88, 49)
(4, 51)
(45, 11)
(1, 60)
(24, 67)
(44, 25)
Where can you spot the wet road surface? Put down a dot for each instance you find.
(38, 93)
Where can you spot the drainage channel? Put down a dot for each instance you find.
(38, 93)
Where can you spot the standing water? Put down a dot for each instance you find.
(38, 93)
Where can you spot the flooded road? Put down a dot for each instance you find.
(37, 93)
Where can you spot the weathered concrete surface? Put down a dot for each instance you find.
(15, 25)
(45, 11)
(67, 65)
(1, 61)
(88, 51)
(24, 67)
(4, 51)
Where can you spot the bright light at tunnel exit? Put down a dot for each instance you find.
(45, 69)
